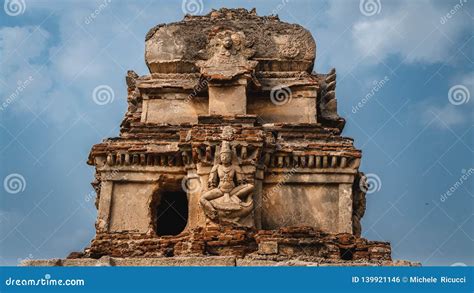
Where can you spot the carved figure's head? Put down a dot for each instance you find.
(225, 153)
(226, 158)
(227, 42)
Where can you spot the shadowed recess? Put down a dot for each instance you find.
(172, 213)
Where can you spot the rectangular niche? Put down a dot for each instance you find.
(174, 111)
(129, 209)
(298, 109)
(315, 205)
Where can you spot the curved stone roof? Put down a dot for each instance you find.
(276, 45)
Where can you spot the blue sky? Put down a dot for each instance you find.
(415, 128)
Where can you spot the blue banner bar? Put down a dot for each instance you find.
(237, 279)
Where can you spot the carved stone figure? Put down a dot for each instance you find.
(229, 52)
(229, 196)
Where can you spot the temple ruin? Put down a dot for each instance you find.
(230, 153)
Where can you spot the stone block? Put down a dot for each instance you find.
(268, 247)
(227, 101)
(176, 261)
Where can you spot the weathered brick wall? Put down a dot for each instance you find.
(284, 243)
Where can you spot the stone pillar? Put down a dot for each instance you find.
(196, 184)
(105, 201)
(258, 197)
(345, 208)
(197, 218)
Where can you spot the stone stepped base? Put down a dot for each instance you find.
(226, 261)
(289, 243)
(231, 246)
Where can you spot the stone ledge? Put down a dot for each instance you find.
(125, 262)
(228, 261)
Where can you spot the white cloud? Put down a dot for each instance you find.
(468, 81)
(444, 117)
(68, 65)
(449, 115)
(22, 49)
(411, 30)
(25, 42)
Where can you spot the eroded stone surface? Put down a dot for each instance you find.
(290, 246)
(215, 261)
(225, 245)
(278, 46)
(288, 190)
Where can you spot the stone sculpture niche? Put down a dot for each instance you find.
(229, 198)
(227, 70)
(229, 52)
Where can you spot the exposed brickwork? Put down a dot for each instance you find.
(283, 244)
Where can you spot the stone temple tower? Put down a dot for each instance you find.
(230, 153)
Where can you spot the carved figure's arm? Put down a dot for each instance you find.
(213, 178)
(239, 176)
